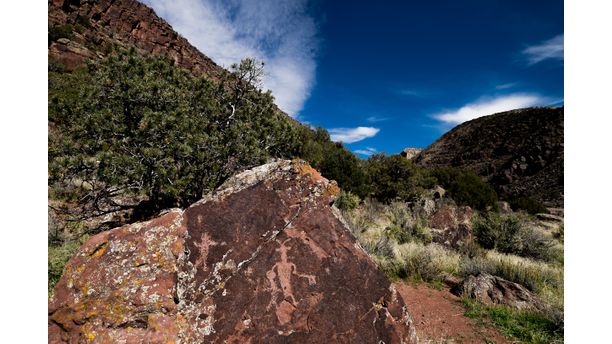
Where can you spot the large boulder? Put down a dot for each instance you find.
(451, 226)
(492, 290)
(265, 259)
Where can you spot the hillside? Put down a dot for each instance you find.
(88, 29)
(519, 152)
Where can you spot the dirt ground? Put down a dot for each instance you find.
(438, 317)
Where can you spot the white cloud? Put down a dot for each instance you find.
(489, 106)
(282, 34)
(505, 86)
(367, 151)
(350, 135)
(375, 119)
(415, 93)
(550, 49)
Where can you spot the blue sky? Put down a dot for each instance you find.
(381, 76)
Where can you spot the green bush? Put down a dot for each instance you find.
(528, 204)
(466, 188)
(130, 126)
(346, 201)
(471, 249)
(333, 160)
(59, 31)
(508, 234)
(405, 226)
(83, 20)
(396, 178)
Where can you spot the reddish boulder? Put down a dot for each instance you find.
(451, 226)
(265, 259)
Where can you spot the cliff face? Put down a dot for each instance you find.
(94, 26)
(520, 152)
(265, 259)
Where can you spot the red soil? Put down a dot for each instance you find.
(438, 317)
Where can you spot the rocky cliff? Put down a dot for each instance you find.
(92, 27)
(265, 259)
(520, 152)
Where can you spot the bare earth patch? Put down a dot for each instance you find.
(439, 317)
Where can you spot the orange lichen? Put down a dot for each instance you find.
(99, 250)
(303, 169)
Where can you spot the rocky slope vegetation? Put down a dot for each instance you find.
(265, 259)
(519, 152)
(80, 29)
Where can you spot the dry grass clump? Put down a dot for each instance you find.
(428, 262)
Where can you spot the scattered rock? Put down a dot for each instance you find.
(436, 193)
(410, 153)
(549, 217)
(556, 211)
(264, 259)
(451, 226)
(504, 207)
(493, 290)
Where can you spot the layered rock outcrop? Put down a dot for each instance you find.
(265, 259)
(410, 153)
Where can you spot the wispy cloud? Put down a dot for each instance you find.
(489, 106)
(550, 49)
(414, 93)
(505, 86)
(367, 151)
(350, 135)
(376, 119)
(282, 34)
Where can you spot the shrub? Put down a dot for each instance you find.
(405, 226)
(83, 20)
(527, 204)
(333, 160)
(466, 188)
(131, 126)
(59, 31)
(471, 249)
(346, 201)
(508, 234)
(396, 178)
